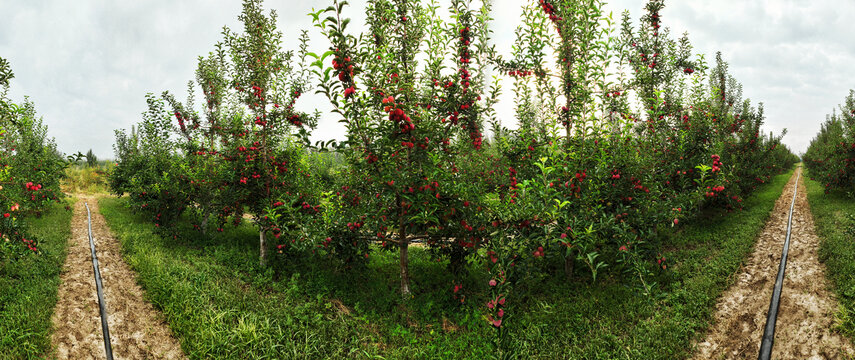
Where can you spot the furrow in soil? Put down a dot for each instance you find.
(137, 329)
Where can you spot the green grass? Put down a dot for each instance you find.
(222, 305)
(28, 288)
(836, 228)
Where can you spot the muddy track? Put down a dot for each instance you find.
(137, 330)
(805, 327)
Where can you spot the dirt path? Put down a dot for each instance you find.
(806, 313)
(136, 328)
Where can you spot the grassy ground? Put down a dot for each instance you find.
(28, 289)
(84, 179)
(221, 304)
(834, 216)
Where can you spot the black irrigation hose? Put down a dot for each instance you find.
(772, 316)
(107, 347)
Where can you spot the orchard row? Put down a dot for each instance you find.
(830, 158)
(30, 171)
(622, 132)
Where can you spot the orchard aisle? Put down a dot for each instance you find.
(137, 330)
(804, 329)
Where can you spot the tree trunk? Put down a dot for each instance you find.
(404, 261)
(205, 223)
(569, 264)
(405, 273)
(263, 248)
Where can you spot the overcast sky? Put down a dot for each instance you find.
(87, 64)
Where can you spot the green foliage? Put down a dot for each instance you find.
(410, 126)
(31, 170)
(591, 182)
(91, 159)
(830, 158)
(6, 73)
(245, 156)
(220, 303)
(149, 167)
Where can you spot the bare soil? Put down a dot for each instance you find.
(805, 326)
(137, 329)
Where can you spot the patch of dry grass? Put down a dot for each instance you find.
(82, 179)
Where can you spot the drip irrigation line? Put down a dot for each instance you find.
(772, 316)
(101, 305)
